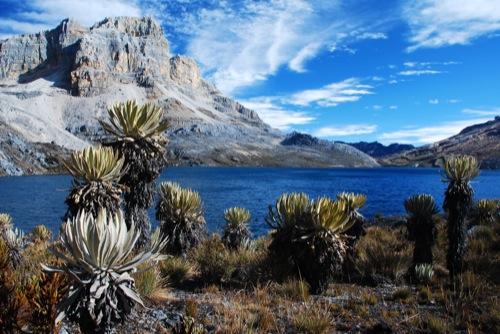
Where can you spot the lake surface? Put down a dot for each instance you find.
(33, 200)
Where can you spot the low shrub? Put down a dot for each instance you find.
(294, 289)
(236, 233)
(383, 252)
(191, 308)
(369, 298)
(312, 321)
(217, 264)
(309, 236)
(43, 296)
(401, 294)
(41, 233)
(424, 295)
(435, 325)
(12, 301)
(180, 212)
(150, 283)
(482, 255)
(176, 270)
(188, 325)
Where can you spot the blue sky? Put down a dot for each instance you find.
(392, 71)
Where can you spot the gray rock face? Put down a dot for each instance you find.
(29, 57)
(56, 84)
(119, 49)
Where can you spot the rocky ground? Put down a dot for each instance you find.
(345, 308)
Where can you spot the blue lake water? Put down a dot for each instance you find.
(33, 200)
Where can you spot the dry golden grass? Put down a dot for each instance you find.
(384, 252)
(151, 284)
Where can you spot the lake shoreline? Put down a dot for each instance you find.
(252, 188)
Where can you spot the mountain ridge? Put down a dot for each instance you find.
(54, 85)
(378, 150)
(480, 140)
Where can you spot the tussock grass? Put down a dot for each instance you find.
(384, 252)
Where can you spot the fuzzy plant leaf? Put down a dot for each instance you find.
(5, 221)
(289, 210)
(180, 212)
(422, 205)
(41, 233)
(353, 201)
(309, 236)
(461, 168)
(129, 121)
(186, 202)
(98, 259)
(236, 216)
(486, 211)
(236, 233)
(96, 164)
(331, 216)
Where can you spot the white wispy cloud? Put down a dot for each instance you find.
(434, 101)
(372, 35)
(393, 107)
(426, 64)
(306, 53)
(436, 23)
(428, 134)
(251, 40)
(346, 130)
(349, 90)
(276, 115)
(418, 72)
(41, 15)
(280, 111)
(482, 112)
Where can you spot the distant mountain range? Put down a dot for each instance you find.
(480, 140)
(378, 150)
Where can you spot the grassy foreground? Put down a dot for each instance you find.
(238, 291)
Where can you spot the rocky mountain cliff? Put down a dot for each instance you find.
(378, 150)
(480, 140)
(54, 86)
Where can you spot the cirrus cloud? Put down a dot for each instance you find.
(331, 95)
(346, 130)
(436, 23)
(38, 15)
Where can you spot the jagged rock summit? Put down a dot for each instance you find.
(54, 85)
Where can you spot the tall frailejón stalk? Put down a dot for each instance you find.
(421, 226)
(458, 171)
(138, 133)
(96, 174)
